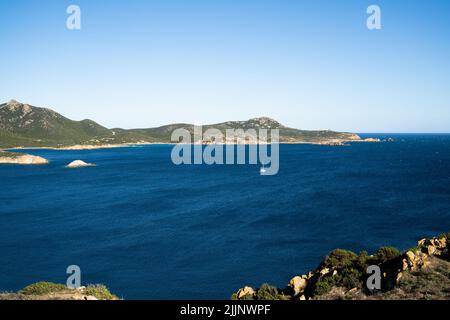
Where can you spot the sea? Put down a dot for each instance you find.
(149, 229)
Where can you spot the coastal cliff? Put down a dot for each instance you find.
(419, 273)
(54, 291)
(422, 272)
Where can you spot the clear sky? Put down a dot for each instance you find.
(308, 64)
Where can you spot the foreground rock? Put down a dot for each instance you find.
(55, 291)
(298, 285)
(79, 164)
(421, 272)
(18, 158)
(245, 291)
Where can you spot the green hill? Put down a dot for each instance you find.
(23, 125)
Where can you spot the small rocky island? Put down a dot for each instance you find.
(422, 272)
(79, 164)
(20, 158)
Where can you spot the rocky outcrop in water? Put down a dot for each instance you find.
(79, 164)
(22, 159)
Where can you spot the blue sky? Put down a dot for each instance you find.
(308, 64)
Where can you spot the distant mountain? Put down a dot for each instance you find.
(22, 125)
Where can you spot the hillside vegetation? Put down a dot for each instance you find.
(55, 291)
(23, 125)
(422, 272)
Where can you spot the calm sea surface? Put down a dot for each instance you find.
(149, 229)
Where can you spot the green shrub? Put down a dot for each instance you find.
(247, 297)
(386, 253)
(100, 292)
(362, 261)
(43, 287)
(339, 258)
(446, 254)
(350, 278)
(266, 292)
(414, 249)
(323, 286)
(350, 270)
(10, 154)
(445, 235)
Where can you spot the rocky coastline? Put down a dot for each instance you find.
(55, 291)
(419, 273)
(336, 142)
(26, 126)
(422, 272)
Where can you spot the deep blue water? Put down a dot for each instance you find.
(149, 229)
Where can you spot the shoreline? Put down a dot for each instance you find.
(344, 275)
(9, 156)
(126, 145)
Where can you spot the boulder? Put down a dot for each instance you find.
(399, 276)
(421, 242)
(245, 291)
(431, 250)
(437, 246)
(433, 246)
(351, 291)
(415, 261)
(324, 271)
(410, 256)
(404, 264)
(298, 285)
(440, 243)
